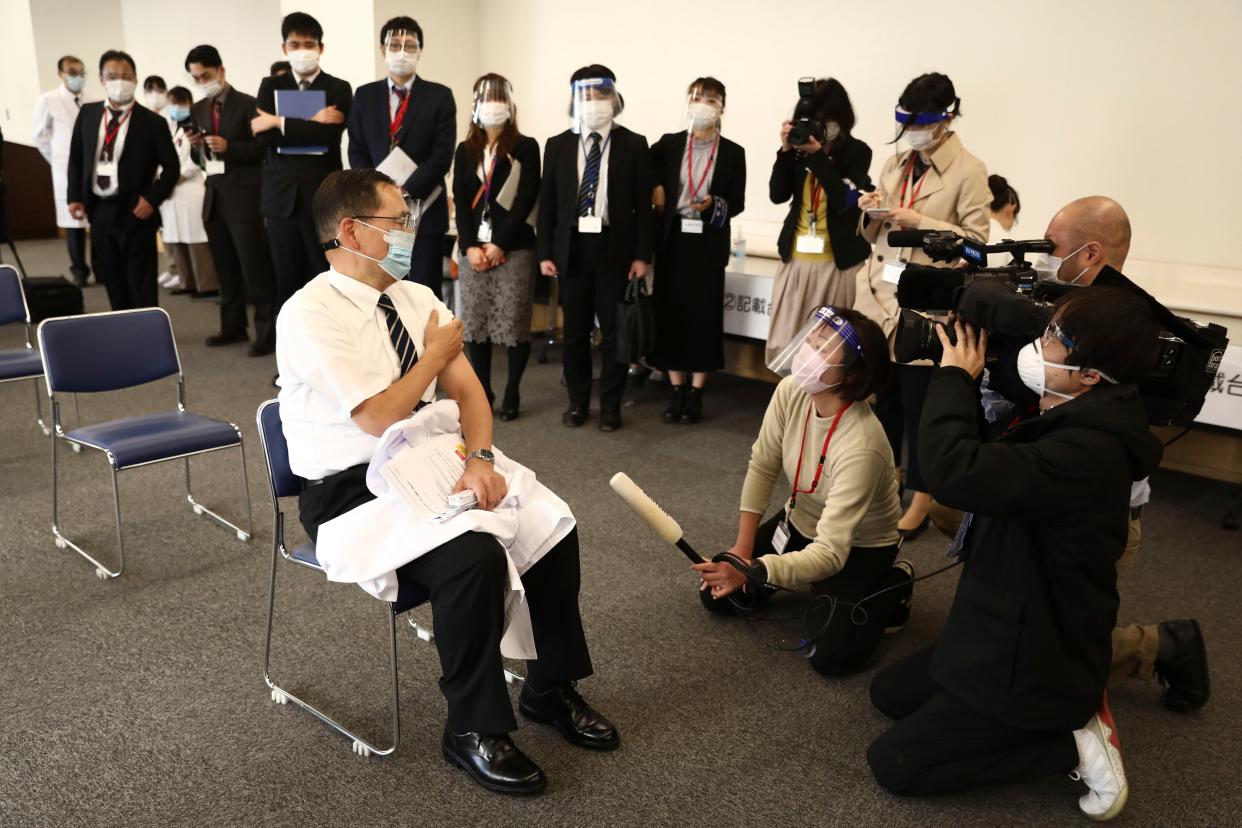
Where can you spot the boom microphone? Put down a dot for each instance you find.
(655, 517)
(907, 238)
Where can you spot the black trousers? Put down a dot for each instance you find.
(123, 251)
(852, 635)
(427, 262)
(467, 579)
(239, 251)
(75, 240)
(941, 745)
(591, 287)
(899, 409)
(296, 253)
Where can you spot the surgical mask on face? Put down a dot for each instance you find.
(1031, 364)
(1048, 266)
(595, 114)
(400, 251)
(178, 113)
(401, 64)
(921, 139)
(120, 91)
(304, 61)
(808, 367)
(75, 83)
(493, 114)
(157, 100)
(702, 115)
(832, 130)
(210, 88)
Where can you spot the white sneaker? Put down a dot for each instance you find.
(1100, 768)
(169, 279)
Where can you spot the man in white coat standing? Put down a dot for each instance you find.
(53, 128)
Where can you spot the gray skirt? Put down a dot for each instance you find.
(800, 288)
(496, 304)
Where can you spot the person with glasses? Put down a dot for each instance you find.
(361, 348)
(301, 152)
(54, 117)
(406, 126)
(122, 166)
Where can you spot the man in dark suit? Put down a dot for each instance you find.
(291, 178)
(595, 231)
(233, 160)
(418, 117)
(116, 151)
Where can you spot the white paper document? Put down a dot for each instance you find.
(424, 475)
(397, 166)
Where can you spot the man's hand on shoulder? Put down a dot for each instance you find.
(443, 342)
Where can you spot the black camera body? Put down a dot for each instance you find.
(806, 122)
(1014, 306)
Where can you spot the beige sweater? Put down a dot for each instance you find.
(855, 503)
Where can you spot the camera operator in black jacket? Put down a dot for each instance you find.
(1013, 690)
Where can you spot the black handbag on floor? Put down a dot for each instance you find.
(635, 323)
(48, 296)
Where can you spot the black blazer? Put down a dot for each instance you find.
(630, 223)
(290, 181)
(148, 149)
(668, 158)
(427, 134)
(510, 231)
(848, 164)
(240, 186)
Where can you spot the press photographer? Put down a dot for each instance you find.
(1013, 690)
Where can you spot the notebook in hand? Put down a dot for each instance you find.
(299, 103)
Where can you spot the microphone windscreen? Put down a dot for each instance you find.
(906, 238)
(646, 508)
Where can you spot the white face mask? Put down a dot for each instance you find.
(211, 88)
(493, 114)
(401, 64)
(1048, 266)
(120, 91)
(921, 139)
(75, 83)
(831, 130)
(1031, 365)
(595, 114)
(702, 115)
(304, 61)
(157, 100)
(808, 369)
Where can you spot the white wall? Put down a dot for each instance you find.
(84, 28)
(349, 36)
(1064, 98)
(19, 68)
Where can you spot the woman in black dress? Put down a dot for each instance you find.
(700, 184)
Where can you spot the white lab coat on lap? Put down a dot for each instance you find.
(55, 115)
(181, 214)
(367, 544)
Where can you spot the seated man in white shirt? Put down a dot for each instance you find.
(359, 349)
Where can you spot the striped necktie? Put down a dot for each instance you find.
(590, 178)
(398, 334)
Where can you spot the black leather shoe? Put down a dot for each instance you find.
(1185, 674)
(493, 762)
(566, 710)
(676, 403)
(204, 294)
(609, 420)
(258, 349)
(574, 416)
(693, 409)
(180, 291)
(509, 408)
(216, 340)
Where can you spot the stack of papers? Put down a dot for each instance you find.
(424, 475)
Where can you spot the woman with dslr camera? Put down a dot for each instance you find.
(819, 169)
(935, 184)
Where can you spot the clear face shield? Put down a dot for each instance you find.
(922, 130)
(703, 110)
(595, 104)
(820, 354)
(402, 49)
(493, 104)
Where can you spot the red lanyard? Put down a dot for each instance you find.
(694, 191)
(823, 455)
(914, 196)
(816, 191)
(394, 123)
(111, 131)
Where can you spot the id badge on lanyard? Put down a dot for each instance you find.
(780, 538)
(215, 166)
(812, 243)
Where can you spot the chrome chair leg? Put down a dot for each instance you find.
(200, 509)
(427, 635)
(47, 432)
(63, 542)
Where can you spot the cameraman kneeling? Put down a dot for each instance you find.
(1013, 690)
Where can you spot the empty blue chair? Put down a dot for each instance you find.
(111, 351)
(17, 364)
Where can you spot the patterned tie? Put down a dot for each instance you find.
(397, 333)
(77, 101)
(111, 132)
(399, 91)
(303, 85)
(590, 178)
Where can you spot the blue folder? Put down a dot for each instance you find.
(298, 103)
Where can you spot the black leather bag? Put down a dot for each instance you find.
(635, 323)
(48, 296)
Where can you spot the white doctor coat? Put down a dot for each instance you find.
(55, 114)
(367, 544)
(181, 214)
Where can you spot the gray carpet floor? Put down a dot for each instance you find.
(139, 701)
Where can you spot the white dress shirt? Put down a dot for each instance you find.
(117, 148)
(334, 352)
(393, 101)
(584, 149)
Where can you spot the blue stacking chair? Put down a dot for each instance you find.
(17, 364)
(108, 352)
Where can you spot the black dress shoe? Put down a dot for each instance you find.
(692, 411)
(1185, 673)
(676, 402)
(204, 294)
(566, 710)
(258, 349)
(493, 762)
(574, 416)
(180, 291)
(637, 375)
(216, 340)
(609, 420)
(509, 408)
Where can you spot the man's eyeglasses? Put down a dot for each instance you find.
(1053, 331)
(406, 221)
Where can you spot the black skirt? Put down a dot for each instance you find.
(689, 306)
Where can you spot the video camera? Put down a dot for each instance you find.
(1014, 305)
(806, 122)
